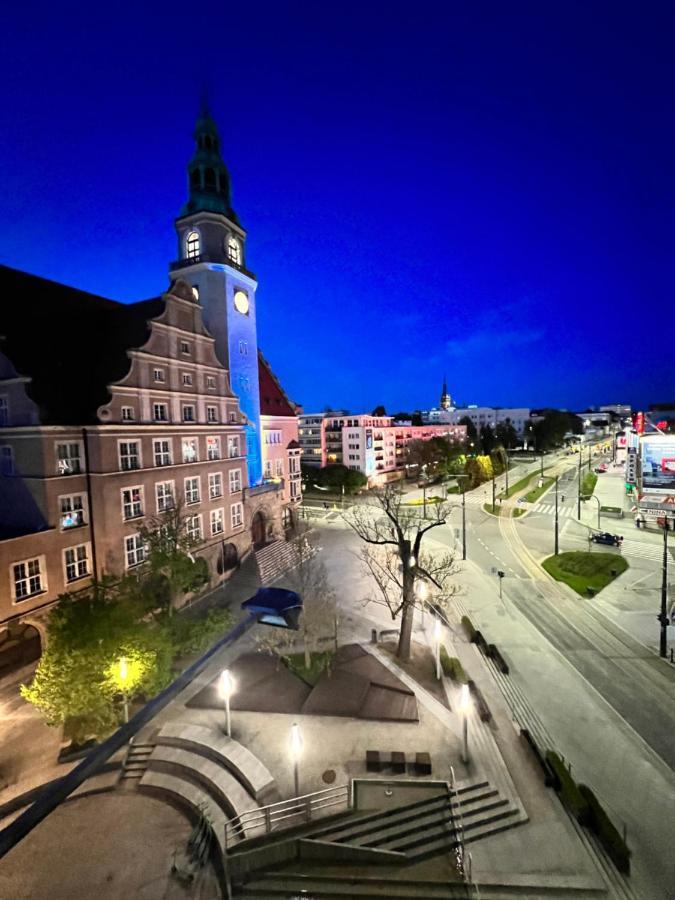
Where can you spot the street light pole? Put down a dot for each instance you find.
(542, 462)
(464, 705)
(579, 489)
(506, 457)
(226, 687)
(437, 637)
(493, 491)
(663, 616)
(424, 494)
(556, 515)
(464, 524)
(296, 748)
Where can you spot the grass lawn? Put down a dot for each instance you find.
(533, 495)
(518, 486)
(581, 570)
(421, 502)
(319, 664)
(497, 510)
(588, 484)
(421, 666)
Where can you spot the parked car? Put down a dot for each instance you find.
(604, 537)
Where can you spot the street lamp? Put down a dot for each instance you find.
(296, 751)
(464, 708)
(556, 515)
(663, 615)
(437, 639)
(593, 497)
(226, 689)
(422, 592)
(123, 675)
(579, 489)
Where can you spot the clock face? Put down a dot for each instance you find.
(241, 303)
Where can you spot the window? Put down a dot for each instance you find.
(132, 502)
(190, 450)
(210, 382)
(235, 480)
(193, 526)
(185, 348)
(129, 455)
(159, 412)
(295, 486)
(76, 561)
(72, 510)
(237, 515)
(164, 494)
(217, 521)
(187, 378)
(127, 413)
(135, 550)
(28, 578)
(279, 467)
(158, 374)
(233, 447)
(6, 460)
(4, 410)
(215, 485)
(69, 458)
(213, 448)
(268, 468)
(162, 450)
(192, 491)
(233, 417)
(211, 413)
(192, 245)
(188, 413)
(234, 250)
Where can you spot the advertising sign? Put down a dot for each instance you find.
(658, 463)
(631, 466)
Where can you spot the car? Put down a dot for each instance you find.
(604, 537)
(600, 470)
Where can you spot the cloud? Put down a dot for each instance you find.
(487, 341)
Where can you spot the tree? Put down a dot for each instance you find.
(471, 434)
(506, 434)
(416, 419)
(168, 558)
(487, 439)
(394, 555)
(336, 477)
(379, 411)
(479, 469)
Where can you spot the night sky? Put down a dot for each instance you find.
(485, 190)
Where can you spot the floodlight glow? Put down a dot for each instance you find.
(226, 684)
(465, 699)
(296, 740)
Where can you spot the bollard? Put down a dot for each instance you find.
(373, 635)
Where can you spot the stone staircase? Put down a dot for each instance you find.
(274, 560)
(136, 761)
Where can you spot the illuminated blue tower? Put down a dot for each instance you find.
(211, 245)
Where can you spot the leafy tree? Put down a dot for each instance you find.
(506, 434)
(416, 419)
(471, 434)
(487, 439)
(549, 431)
(479, 469)
(379, 411)
(394, 556)
(337, 476)
(402, 417)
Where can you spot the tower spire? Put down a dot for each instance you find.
(446, 401)
(208, 178)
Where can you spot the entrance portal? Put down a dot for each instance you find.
(258, 530)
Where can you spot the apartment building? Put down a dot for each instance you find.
(493, 415)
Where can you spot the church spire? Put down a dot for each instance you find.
(446, 400)
(208, 179)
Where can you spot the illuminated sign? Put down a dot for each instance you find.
(639, 422)
(631, 466)
(658, 463)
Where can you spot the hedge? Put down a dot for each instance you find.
(607, 834)
(452, 667)
(468, 628)
(568, 790)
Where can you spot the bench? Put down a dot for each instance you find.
(480, 641)
(422, 764)
(495, 655)
(481, 706)
(373, 761)
(550, 779)
(398, 762)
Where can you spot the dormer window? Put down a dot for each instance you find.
(192, 245)
(234, 250)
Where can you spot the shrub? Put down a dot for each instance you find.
(469, 630)
(608, 835)
(452, 667)
(570, 794)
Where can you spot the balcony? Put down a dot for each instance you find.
(209, 258)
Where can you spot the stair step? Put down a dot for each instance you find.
(383, 819)
(133, 774)
(423, 835)
(441, 844)
(287, 885)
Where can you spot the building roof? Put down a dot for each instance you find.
(273, 399)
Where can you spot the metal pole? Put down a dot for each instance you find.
(579, 489)
(424, 493)
(542, 462)
(465, 748)
(556, 515)
(493, 493)
(438, 658)
(296, 776)
(598, 514)
(227, 715)
(663, 617)
(506, 456)
(125, 704)
(463, 524)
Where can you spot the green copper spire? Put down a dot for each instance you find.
(209, 181)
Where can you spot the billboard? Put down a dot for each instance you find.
(658, 463)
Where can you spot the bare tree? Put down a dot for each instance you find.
(394, 557)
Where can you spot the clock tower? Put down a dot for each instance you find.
(211, 257)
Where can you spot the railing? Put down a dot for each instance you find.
(285, 814)
(209, 258)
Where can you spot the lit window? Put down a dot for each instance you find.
(162, 450)
(193, 526)
(187, 378)
(192, 245)
(190, 450)
(135, 550)
(185, 348)
(188, 413)
(27, 577)
(235, 480)
(217, 521)
(127, 413)
(192, 492)
(130, 457)
(6, 460)
(164, 494)
(69, 459)
(211, 413)
(160, 412)
(158, 374)
(211, 382)
(72, 511)
(215, 485)
(233, 447)
(213, 448)
(132, 502)
(234, 250)
(237, 515)
(4, 411)
(76, 561)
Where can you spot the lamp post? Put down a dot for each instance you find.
(464, 707)
(542, 462)
(493, 491)
(296, 750)
(663, 615)
(593, 497)
(579, 489)
(124, 674)
(556, 515)
(422, 591)
(437, 639)
(226, 689)
(506, 463)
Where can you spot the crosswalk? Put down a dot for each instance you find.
(548, 509)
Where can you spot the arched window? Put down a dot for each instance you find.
(234, 250)
(192, 245)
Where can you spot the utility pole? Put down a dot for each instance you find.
(506, 457)
(556, 515)
(579, 489)
(663, 616)
(542, 462)
(493, 491)
(463, 524)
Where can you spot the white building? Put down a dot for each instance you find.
(492, 416)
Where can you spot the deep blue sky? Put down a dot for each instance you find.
(482, 189)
